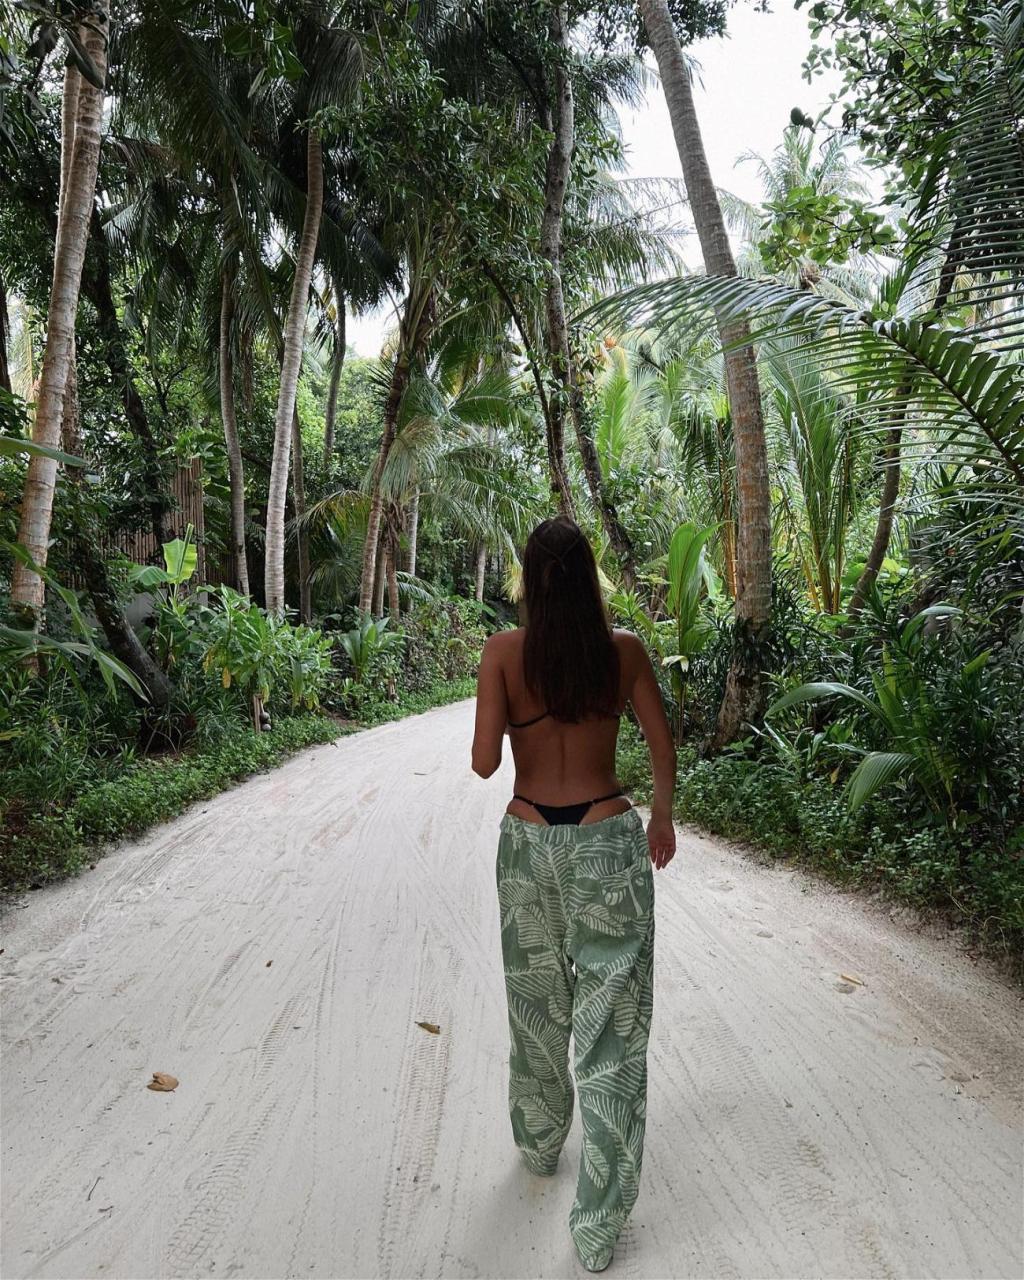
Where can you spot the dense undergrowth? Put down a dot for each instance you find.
(972, 879)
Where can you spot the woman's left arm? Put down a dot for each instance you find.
(491, 711)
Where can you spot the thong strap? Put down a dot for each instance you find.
(558, 815)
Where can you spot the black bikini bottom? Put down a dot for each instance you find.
(571, 815)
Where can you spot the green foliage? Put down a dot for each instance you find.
(444, 639)
(825, 228)
(264, 654)
(688, 577)
(368, 644)
(941, 727)
(437, 649)
(377, 710)
(20, 645)
(181, 556)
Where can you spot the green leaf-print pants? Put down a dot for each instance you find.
(577, 939)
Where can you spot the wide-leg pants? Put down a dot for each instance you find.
(577, 936)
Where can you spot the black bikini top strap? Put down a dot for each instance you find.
(524, 724)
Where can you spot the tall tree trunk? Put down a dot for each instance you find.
(417, 323)
(570, 395)
(412, 530)
(391, 570)
(892, 450)
(481, 569)
(556, 181)
(27, 588)
(120, 635)
(615, 531)
(745, 690)
(725, 480)
(883, 527)
(68, 126)
(96, 286)
(369, 579)
(379, 580)
(236, 473)
(5, 330)
(301, 532)
(291, 363)
(337, 364)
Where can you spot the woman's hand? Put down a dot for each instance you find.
(661, 839)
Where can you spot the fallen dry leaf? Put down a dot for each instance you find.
(269, 963)
(848, 977)
(162, 1082)
(845, 987)
(432, 1027)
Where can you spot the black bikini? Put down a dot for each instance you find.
(556, 815)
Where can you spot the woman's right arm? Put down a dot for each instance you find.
(650, 711)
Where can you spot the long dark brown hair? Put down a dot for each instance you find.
(569, 657)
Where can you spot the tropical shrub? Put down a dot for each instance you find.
(444, 639)
(265, 656)
(935, 718)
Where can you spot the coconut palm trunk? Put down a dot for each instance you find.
(85, 107)
(236, 473)
(5, 329)
(301, 532)
(745, 691)
(371, 560)
(337, 365)
(378, 581)
(569, 397)
(414, 333)
(481, 571)
(391, 571)
(890, 460)
(412, 529)
(291, 364)
(556, 182)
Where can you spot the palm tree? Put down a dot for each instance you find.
(236, 473)
(291, 363)
(744, 693)
(452, 451)
(797, 164)
(817, 481)
(337, 305)
(414, 331)
(81, 117)
(561, 112)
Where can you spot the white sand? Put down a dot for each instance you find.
(795, 1130)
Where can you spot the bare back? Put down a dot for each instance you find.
(559, 763)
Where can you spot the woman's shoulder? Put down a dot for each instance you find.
(631, 651)
(627, 641)
(505, 642)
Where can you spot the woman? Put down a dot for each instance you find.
(574, 876)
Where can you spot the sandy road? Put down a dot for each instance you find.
(274, 949)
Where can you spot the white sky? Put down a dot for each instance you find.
(749, 81)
